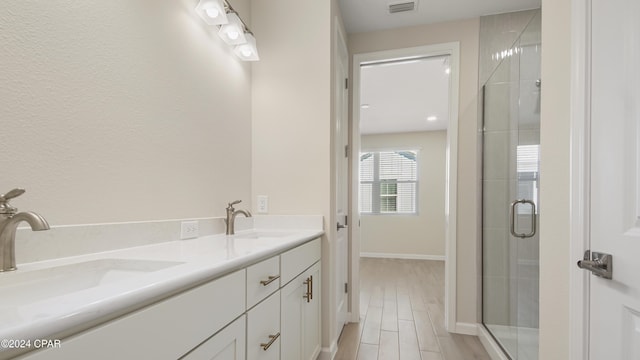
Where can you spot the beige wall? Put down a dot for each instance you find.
(291, 106)
(468, 220)
(555, 259)
(121, 111)
(422, 234)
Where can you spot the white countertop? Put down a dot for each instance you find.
(200, 260)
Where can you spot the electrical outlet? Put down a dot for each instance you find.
(263, 204)
(189, 230)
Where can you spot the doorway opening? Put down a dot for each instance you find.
(404, 168)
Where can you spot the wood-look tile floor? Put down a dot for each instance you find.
(402, 315)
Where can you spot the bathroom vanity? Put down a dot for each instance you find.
(253, 295)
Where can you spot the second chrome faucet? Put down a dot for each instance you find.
(231, 216)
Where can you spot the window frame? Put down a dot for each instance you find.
(376, 182)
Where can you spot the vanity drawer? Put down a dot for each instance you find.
(263, 330)
(297, 260)
(263, 279)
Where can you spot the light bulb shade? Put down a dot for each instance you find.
(247, 51)
(212, 12)
(233, 32)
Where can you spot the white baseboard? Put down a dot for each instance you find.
(402, 256)
(466, 329)
(328, 353)
(352, 318)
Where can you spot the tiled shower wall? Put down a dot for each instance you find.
(498, 33)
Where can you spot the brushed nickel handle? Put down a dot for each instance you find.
(272, 339)
(600, 264)
(309, 293)
(269, 280)
(513, 219)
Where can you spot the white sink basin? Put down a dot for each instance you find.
(31, 286)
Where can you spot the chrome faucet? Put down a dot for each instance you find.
(231, 216)
(9, 220)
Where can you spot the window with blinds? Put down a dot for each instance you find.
(389, 182)
(527, 168)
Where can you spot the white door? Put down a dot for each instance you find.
(342, 181)
(614, 321)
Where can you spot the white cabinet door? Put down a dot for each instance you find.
(263, 330)
(300, 316)
(311, 316)
(228, 344)
(291, 319)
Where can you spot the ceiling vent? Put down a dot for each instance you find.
(402, 7)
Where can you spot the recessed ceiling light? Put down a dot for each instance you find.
(364, 106)
(447, 71)
(432, 118)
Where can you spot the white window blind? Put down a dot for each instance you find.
(389, 182)
(527, 167)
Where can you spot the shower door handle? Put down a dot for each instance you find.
(513, 219)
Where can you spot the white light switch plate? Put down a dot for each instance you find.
(263, 204)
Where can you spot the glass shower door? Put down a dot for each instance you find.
(511, 147)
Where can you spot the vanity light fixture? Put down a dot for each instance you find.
(247, 51)
(212, 12)
(233, 32)
(432, 118)
(232, 29)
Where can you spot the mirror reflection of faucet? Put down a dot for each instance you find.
(9, 220)
(231, 216)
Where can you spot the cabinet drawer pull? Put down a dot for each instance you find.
(309, 294)
(269, 280)
(272, 339)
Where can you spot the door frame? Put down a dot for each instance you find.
(580, 177)
(453, 50)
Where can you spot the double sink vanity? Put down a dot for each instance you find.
(252, 295)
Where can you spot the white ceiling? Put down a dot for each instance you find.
(401, 96)
(370, 15)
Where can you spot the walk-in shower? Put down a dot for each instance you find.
(511, 192)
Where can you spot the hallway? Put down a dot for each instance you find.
(402, 315)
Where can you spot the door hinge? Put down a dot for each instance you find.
(346, 151)
(346, 288)
(346, 83)
(346, 220)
